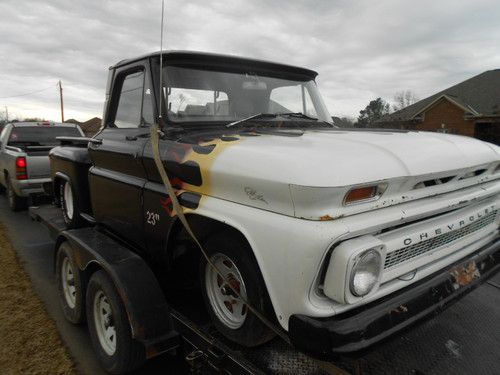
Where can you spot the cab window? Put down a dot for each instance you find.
(135, 107)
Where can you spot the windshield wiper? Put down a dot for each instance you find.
(258, 115)
(306, 117)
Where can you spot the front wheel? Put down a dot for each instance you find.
(109, 327)
(232, 256)
(69, 206)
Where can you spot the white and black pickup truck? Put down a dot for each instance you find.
(24, 161)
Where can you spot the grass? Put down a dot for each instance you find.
(29, 341)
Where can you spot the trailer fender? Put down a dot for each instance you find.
(143, 299)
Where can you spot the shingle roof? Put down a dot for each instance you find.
(480, 94)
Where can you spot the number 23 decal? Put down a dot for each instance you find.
(152, 218)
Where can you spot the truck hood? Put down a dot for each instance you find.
(307, 174)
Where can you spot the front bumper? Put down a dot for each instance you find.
(360, 328)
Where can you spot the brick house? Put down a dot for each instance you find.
(470, 108)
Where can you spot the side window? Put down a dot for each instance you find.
(135, 105)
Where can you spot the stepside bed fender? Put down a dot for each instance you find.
(147, 310)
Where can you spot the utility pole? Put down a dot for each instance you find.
(62, 102)
(6, 114)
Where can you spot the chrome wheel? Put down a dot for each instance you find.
(68, 283)
(104, 323)
(227, 306)
(68, 200)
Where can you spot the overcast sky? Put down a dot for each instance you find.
(361, 49)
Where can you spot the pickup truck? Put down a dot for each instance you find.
(340, 237)
(24, 160)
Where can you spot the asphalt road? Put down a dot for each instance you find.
(463, 339)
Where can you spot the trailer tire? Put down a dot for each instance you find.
(16, 203)
(109, 327)
(229, 248)
(69, 206)
(70, 285)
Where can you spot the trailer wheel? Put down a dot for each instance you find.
(232, 256)
(69, 207)
(16, 203)
(109, 327)
(70, 285)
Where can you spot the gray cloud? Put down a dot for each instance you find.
(361, 49)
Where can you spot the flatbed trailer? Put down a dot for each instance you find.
(461, 340)
(203, 348)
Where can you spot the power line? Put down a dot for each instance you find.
(28, 93)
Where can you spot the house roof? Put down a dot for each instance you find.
(479, 96)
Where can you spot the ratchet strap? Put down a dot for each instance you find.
(180, 213)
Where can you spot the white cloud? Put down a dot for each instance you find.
(361, 49)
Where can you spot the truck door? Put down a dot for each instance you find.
(117, 176)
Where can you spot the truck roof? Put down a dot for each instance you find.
(221, 60)
(42, 123)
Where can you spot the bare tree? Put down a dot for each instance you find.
(404, 99)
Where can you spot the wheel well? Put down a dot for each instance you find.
(57, 184)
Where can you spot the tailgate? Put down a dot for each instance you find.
(37, 162)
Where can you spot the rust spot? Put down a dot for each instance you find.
(326, 218)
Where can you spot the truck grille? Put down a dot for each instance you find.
(402, 255)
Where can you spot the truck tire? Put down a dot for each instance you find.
(109, 327)
(16, 203)
(234, 258)
(69, 206)
(70, 285)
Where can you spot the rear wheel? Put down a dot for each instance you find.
(70, 285)
(69, 206)
(109, 327)
(16, 203)
(232, 256)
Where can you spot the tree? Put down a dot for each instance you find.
(373, 112)
(403, 99)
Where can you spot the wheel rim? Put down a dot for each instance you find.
(230, 309)
(68, 200)
(104, 323)
(68, 283)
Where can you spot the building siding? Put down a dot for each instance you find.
(449, 114)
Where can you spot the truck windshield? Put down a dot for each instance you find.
(197, 95)
(40, 135)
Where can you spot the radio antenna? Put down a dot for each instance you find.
(160, 89)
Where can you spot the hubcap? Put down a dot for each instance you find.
(104, 323)
(68, 200)
(68, 283)
(229, 308)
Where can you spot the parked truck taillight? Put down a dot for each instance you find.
(21, 170)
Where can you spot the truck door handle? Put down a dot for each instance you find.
(131, 138)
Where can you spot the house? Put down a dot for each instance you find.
(470, 108)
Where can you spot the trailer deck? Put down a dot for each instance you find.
(463, 339)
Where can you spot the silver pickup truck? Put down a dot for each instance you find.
(24, 160)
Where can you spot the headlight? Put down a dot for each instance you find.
(365, 273)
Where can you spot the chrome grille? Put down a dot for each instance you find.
(402, 255)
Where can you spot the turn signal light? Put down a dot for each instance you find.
(21, 171)
(364, 193)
